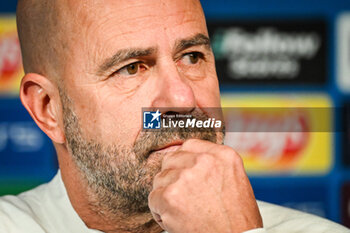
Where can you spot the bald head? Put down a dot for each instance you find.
(53, 33)
(42, 29)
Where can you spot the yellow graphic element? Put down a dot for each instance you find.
(280, 133)
(11, 70)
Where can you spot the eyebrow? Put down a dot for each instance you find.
(123, 55)
(126, 54)
(197, 40)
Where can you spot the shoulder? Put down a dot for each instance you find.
(30, 210)
(281, 219)
(18, 214)
(44, 209)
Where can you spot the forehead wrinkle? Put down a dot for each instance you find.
(124, 14)
(107, 28)
(198, 39)
(142, 4)
(190, 6)
(81, 32)
(94, 46)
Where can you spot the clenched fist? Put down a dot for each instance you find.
(203, 187)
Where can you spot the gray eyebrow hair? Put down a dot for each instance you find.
(198, 39)
(123, 55)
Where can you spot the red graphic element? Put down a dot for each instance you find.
(10, 57)
(272, 136)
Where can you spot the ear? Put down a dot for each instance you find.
(40, 97)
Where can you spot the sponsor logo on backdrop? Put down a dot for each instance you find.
(278, 135)
(21, 137)
(343, 48)
(24, 149)
(11, 70)
(268, 52)
(293, 136)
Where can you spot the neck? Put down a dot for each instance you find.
(85, 203)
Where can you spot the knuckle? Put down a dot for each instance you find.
(167, 156)
(167, 159)
(160, 178)
(228, 149)
(151, 197)
(156, 181)
(186, 174)
(205, 159)
(157, 176)
(230, 154)
(170, 195)
(189, 143)
(238, 161)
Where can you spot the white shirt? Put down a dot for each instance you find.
(47, 209)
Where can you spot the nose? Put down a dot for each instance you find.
(174, 90)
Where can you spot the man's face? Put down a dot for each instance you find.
(126, 55)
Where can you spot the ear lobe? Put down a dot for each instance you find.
(41, 99)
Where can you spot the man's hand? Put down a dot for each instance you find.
(203, 187)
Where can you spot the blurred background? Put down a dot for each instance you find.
(269, 53)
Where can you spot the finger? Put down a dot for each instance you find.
(155, 201)
(165, 178)
(163, 203)
(178, 160)
(154, 204)
(223, 152)
(158, 219)
(199, 146)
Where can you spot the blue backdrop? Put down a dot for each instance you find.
(27, 157)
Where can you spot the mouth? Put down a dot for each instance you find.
(169, 147)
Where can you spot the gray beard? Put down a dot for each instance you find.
(120, 177)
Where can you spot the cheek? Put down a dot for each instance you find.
(118, 123)
(119, 118)
(207, 90)
(104, 118)
(128, 84)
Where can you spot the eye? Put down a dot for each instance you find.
(193, 57)
(131, 69)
